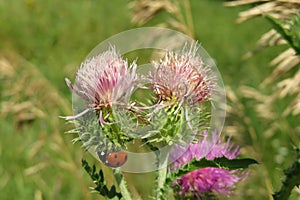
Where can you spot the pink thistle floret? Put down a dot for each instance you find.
(182, 77)
(209, 147)
(104, 79)
(209, 179)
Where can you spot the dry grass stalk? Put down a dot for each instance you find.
(291, 86)
(236, 110)
(243, 2)
(145, 10)
(281, 9)
(26, 96)
(238, 124)
(264, 103)
(264, 106)
(38, 195)
(268, 39)
(285, 62)
(36, 168)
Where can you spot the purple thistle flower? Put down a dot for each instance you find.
(103, 80)
(208, 179)
(182, 77)
(204, 148)
(204, 180)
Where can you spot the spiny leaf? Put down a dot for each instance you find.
(243, 163)
(292, 179)
(223, 162)
(98, 179)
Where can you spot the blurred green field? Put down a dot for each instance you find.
(42, 42)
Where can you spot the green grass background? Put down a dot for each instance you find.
(38, 160)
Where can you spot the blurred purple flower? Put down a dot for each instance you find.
(103, 80)
(182, 77)
(204, 180)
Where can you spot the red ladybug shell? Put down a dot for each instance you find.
(116, 159)
(113, 159)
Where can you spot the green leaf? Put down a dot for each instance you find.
(235, 163)
(292, 179)
(223, 162)
(98, 179)
(289, 30)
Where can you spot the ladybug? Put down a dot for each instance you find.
(112, 159)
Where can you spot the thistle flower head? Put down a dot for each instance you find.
(103, 79)
(205, 180)
(204, 148)
(182, 77)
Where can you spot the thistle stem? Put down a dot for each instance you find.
(161, 178)
(123, 188)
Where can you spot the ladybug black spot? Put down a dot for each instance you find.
(116, 156)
